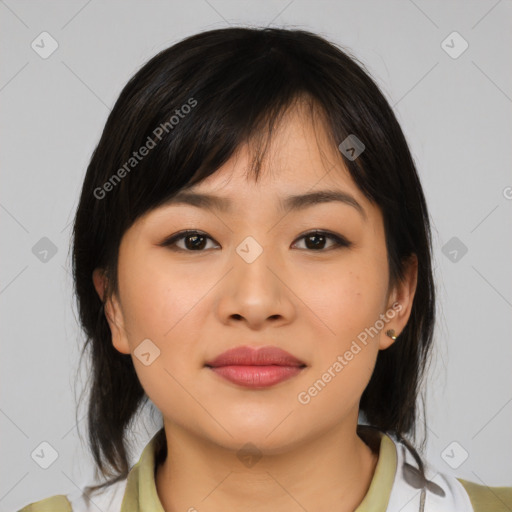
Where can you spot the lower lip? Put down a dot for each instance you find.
(257, 376)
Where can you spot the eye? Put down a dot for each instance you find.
(196, 241)
(315, 240)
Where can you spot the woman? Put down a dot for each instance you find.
(252, 253)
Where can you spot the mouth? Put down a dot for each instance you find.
(256, 368)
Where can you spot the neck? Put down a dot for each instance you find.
(332, 471)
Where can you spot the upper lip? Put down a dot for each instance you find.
(250, 356)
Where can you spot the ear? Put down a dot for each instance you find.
(113, 312)
(400, 301)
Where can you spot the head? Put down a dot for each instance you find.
(252, 116)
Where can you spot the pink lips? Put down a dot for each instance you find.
(250, 367)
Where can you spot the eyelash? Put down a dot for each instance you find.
(339, 241)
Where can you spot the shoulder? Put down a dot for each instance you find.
(440, 492)
(57, 503)
(110, 498)
(488, 499)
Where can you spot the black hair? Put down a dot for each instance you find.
(192, 106)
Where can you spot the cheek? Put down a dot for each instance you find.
(349, 306)
(162, 306)
(345, 299)
(162, 303)
(337, 388)
(348, 299)
(157, 298)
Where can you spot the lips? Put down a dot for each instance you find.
(247, 356)
(256, 368)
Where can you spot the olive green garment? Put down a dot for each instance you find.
(140, 494)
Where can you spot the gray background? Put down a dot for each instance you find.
(455, 113)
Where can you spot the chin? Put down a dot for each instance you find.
(264, 439)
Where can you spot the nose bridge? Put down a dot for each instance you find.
(252, 264)
(254, 291)
(250, 250)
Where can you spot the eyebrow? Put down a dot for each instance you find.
(291, 202)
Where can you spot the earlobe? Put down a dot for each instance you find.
(388, 339)
(401, 302)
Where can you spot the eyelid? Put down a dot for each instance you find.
(339, 240)
(170, 240)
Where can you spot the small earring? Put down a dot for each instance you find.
(391, 334)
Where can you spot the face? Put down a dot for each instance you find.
(253, 274)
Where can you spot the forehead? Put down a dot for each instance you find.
(300, 156)
(301, 167)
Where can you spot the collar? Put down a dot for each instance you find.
(377, 496)
(141, 493)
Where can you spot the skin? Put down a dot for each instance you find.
(310, 302)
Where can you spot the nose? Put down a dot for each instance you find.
(256, 291)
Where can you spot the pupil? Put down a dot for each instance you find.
(315, 245)
(194, 239)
